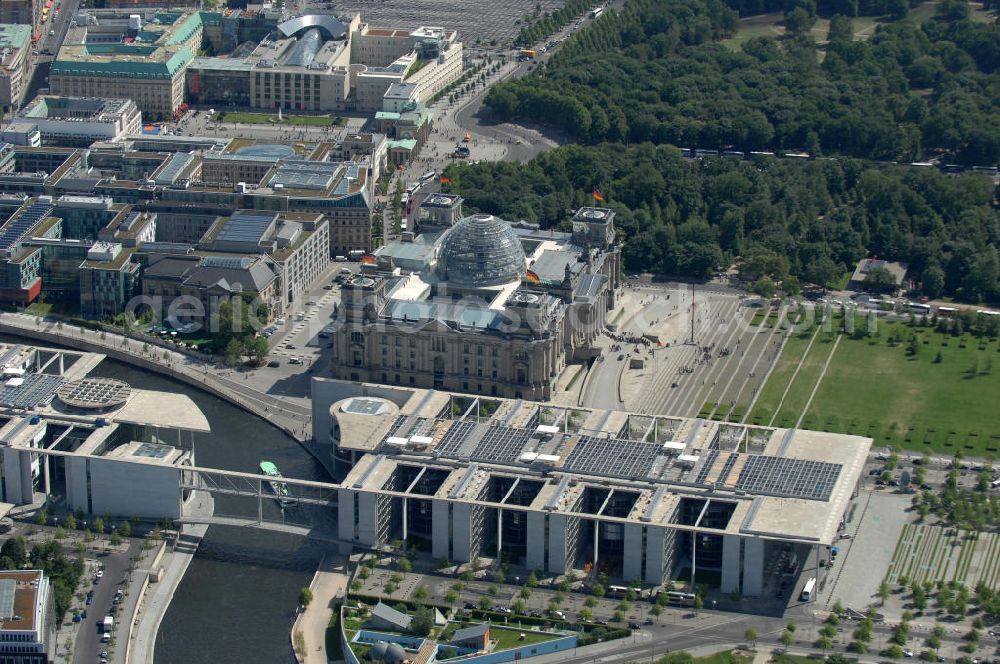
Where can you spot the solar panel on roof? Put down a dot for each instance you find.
(8, 587)
(16, 229)
(612, 456)
(501, 444)
(37, 389)
(789, 478)
(452, 440)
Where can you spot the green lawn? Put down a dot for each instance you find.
(269, 118)
(508, 638)
(771, 25)
(874, 389)
(794, 659)
(726, 657)
(805, 380)
(38, 309)
(770, 395)
(925, 11)
(764, 25)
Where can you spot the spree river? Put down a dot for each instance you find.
(237, 600)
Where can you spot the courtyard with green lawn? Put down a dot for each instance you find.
(939, 399)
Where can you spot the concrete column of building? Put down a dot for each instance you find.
(406, 531)
(654, 555)
(730, 564)
(499, 534)
(461, 534)
(632, 560)
(753, 567)
(597, 542)
(368, 518)
(17, 476)
(535, 554)
(76, 483)
(557, 543)
(440, 529)
(345, 514)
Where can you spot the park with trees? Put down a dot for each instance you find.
(656, 74)
(812, 220)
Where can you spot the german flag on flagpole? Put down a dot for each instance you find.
(445, 179)
(598, 196)
(531, 277)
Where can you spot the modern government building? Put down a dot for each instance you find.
(574, 489)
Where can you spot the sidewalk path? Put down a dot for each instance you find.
(329, 584)
(157, 599)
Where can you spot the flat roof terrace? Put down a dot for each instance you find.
(18, 599)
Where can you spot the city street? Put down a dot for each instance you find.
(48, 46)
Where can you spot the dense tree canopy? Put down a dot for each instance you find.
(809, 219)
(655, 71)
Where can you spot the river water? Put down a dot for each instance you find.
(237, 600)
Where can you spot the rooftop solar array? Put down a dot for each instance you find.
(8, 588)
(245, 228)
(501, 444)
(15, 230)
(36, 390)
(394, 427)
(452, 440)
(361, 406)
(12, 354)
(153, 451)
(612, 456)
(706, 466)
(788, 478)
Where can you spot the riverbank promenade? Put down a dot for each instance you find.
(329, 586)
(251, 390)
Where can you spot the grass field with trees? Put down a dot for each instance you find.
(924, 388)
(656, 71)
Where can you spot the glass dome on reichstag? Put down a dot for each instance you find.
(481, 250)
